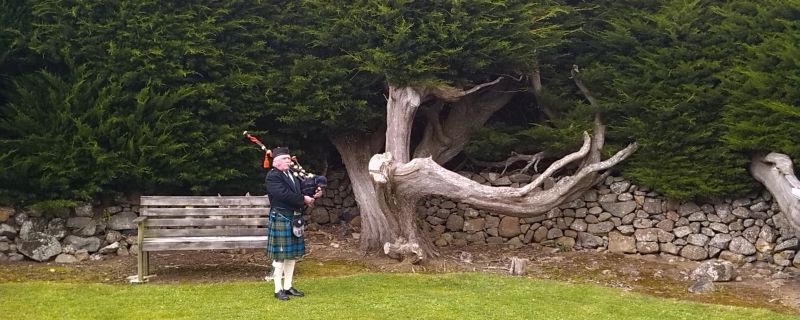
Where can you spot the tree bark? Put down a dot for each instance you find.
(443, 140)
(400, 110)
(408, 242)
(400, 182)
(775, 171)
(422, 177)
(356, 151)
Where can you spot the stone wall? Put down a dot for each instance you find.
(86, 234)
(624, 218)
(615, 216)
(337, 204)
(90, 232)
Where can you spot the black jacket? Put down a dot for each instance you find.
(282, 192)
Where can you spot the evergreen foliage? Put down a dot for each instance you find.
(76, 136)
(99, 97)
(15, 27)
(339, 60)
(318, 90)
(444, 42)
(670, 73)
(763, 112)
(357, 49)
(154, 99)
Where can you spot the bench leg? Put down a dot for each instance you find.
(147, 263)
(143, 265)
(141, 257)
(140, 266)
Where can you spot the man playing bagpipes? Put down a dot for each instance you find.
(309, 182)
(288, 195)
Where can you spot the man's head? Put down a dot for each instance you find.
(281, 158)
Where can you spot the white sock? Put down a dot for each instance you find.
(277, 268)
(288, 272)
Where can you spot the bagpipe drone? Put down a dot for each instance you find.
(309, 182)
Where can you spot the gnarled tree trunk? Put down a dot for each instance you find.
(356, 150)
(775, 171)
(444, 139)
(401, 182)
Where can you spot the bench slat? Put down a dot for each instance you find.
(154, 233)
(204, 243)
(206, 222)
(203, 201)
(176, 212)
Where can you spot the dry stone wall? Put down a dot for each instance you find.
(624, 218)
(616, 216)
(87, 233)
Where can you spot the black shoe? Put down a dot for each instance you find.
(281, 295)
(294, 292)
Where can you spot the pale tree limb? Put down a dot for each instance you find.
(581, 86)
(402, 105)
(531, 159)
(538, 92)
(451, 94)
(775, 171)
(409, 245)
(422, 176)
(560, 163)
(599, 128)
(400, 110)
(599, 132)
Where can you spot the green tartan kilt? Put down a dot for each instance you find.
(281, 243)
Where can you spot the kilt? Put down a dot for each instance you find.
(282, 244)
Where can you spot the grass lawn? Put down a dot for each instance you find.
(361, 296)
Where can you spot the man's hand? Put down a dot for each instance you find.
(308, 200)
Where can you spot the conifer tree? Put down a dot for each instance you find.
(166, 88)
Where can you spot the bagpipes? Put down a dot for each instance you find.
(309, 182)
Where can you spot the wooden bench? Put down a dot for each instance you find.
(169, 223)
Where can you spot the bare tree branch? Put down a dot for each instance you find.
(585, 90)
(450, 94)
(587, 142)
(423, 176)
(532, 159)
(538, 92)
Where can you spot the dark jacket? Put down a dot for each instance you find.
(283, 194)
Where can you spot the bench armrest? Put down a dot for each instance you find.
(139, 230)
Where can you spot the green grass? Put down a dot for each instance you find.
(361, 296)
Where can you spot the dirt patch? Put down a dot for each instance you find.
(331, 254)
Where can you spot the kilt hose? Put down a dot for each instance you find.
(281, 243)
